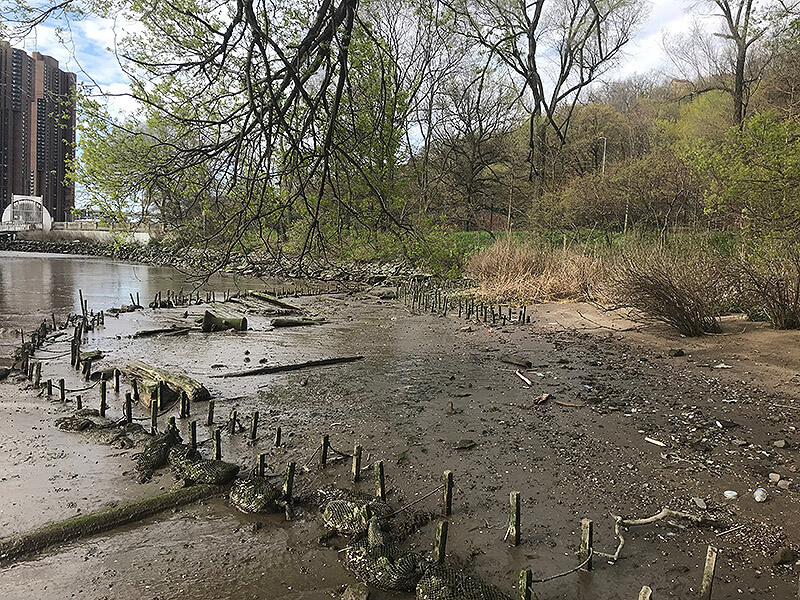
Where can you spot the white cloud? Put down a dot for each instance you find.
(645, 53)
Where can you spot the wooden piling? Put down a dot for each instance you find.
(128, 408)
(210, 419)
(254, 426)
(37, 374)
(356, 471)
(102, 397)
(232, 422)
(587, 529)
(62, 390)
(525, 582)
(440, 548)
(514, 518)
(193, 435)
(447, 499)
(323, 457)
(288, 481)
(116, 380)
(262, 464)
(78, 402)
(135, 388)
(278, 437)
(218, 444)
(154, 416)
(708, 574)
(380, 481)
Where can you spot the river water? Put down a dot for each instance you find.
(34, 286)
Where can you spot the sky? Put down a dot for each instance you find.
(86, 48)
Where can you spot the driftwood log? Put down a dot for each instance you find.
(177, 382)
(296, 321)
(269, 299)
(217, 322)
(104, 520)
(164, 330)
(293, 367)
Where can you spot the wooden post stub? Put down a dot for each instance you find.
(708, 574)
(278, 437)
(440, 548)
(135, 388)
(262, 464)
(447, 500)
(254, 426)
(323, 457)
(646, 593)
(103, 392)
(128, 408)
(356, 472)
(210, 419)
(37, 375)
(514, 518)
(525, 582)
(217, 444)
(153, 416)
(288, 481)
(116, 380)
(187, 408)
(62, 390)
(380, 481)
(193, 434)
(587, 529)
(232, 422)
(78, 402)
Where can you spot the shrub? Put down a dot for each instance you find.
(681, 289)
(772, 286)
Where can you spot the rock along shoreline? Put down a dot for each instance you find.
(204, 261)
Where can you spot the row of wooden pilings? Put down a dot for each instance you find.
(424, 296)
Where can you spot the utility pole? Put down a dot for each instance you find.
(605, 142)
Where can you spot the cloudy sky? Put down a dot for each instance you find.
(84, 47)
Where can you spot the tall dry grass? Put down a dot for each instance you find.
(512, 272)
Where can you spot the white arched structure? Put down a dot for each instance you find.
(27, 212)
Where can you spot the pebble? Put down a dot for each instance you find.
(774, 477)
(356, 591)
(700, 503)
(730, 495)
(779, 443)
(783, 484)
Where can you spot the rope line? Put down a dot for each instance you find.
(578, 568)
(418, 500)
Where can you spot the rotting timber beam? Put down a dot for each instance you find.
(178, 382)
(104, 520)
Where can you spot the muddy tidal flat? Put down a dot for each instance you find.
(595, 419)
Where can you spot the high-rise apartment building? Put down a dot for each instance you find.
(37, 129)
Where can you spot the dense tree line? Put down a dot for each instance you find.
(321, 126)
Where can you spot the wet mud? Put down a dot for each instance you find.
(432, 394)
